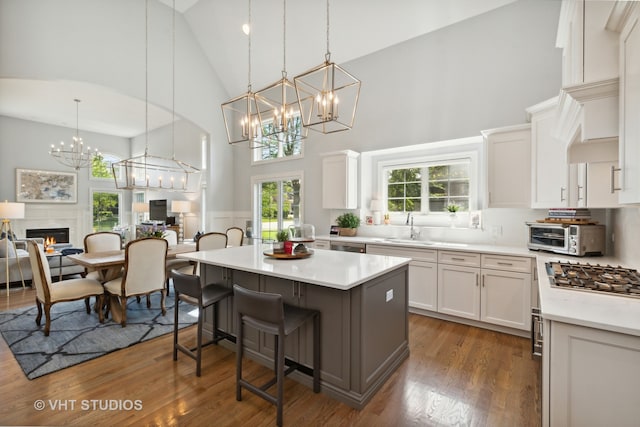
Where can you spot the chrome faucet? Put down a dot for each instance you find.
(408, 216)
(414, 233)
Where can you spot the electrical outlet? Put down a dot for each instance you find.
(389, 295)
(496, 230)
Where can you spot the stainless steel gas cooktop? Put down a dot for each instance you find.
(594, 278)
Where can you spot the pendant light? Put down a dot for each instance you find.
(240, 114)
(328, 95)
(278, 106)
(147, 172)
(74, 155)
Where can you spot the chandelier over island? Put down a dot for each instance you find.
(74, 155)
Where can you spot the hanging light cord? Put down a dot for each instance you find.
(284, 39)
(249, 50)
(327, 56)
(173, 84)
(77, 125)
(146, 77)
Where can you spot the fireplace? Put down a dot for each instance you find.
(61, 235)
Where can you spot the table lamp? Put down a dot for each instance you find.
(9, 211)
(182, 207)
(376, 207)
(140, 208)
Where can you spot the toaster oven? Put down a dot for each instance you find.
(569, 239)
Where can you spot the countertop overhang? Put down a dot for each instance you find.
(333, 269)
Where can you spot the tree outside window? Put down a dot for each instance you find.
(106, 210)
(279, 206)
(288, 146)
(101, 166)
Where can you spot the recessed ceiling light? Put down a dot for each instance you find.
(246, 29)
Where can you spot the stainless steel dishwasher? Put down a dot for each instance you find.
(349, 247)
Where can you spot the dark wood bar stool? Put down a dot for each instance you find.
(187, 288)
(267, 313)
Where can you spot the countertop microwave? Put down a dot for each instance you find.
(569, 239)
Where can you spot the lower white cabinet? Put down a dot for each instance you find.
(490, 288)
(321, 244)
(423, 273)
(589, 375)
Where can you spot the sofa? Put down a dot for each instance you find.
(68, 267)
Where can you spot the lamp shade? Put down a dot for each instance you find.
(376, 205)
(11, 210)
(140, 207)
(181, 206)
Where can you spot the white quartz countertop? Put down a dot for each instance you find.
(599, 310)
(334, 269)
(428, 244)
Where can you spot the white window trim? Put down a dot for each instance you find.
(259, 179)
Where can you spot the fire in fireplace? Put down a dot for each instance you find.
(52, 235)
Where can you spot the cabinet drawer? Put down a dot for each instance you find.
(322, 244)
(429, 255)
(508, 263)
(469, 259)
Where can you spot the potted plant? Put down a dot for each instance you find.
(348, 224)
(453, 209)
(281, 237)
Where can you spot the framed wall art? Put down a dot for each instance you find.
(39, 186)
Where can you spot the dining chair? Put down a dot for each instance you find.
(267, 313)
(144, 273)
(49, 293)
(235, 236)
(188, 289)
(174, 263)
(101, 241)
(207, 241)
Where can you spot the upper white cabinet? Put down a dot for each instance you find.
(595, 185)
(340, 180)
(549, 167)
(508, 174)
(629, 142)
(589, 50)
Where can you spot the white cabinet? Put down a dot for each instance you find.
(589, 51)
(322, 244)
(595, 185)
(423, 273)
(586, 374)
(508, 172)
(505, 294)
(549, 167)
(629, 142)
(340, 180)
(459, 284)
(494, 289)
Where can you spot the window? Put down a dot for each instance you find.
(277, 204)
(106, 209)
(101, 166)
(429, 186)
(280, 148)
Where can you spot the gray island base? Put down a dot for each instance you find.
(363, 306)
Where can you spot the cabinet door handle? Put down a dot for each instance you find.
(510, 264)
(580, 187)
(477, 279)
(458, 259)
(613, 172)
(483, 280)
(562, 189)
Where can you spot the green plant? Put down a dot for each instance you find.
(282, 236)
(453, 208)
(348, 220)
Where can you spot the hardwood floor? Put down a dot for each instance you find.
(456, 375)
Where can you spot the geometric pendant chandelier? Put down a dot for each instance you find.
(327, 95)
(278, 107)
(240, 114)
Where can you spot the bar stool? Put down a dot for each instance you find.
(187, 288)
(267, 313)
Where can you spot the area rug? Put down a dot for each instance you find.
(76, 336)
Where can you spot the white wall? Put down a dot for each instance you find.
(479, 74)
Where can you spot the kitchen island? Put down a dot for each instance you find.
(363, 305)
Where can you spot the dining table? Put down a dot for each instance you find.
(109, 266)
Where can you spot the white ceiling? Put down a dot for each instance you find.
(357, 28)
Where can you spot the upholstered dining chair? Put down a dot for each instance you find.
(235, 236)
(49, 293)
(174, 263)
(101, 241)
(207, 241)
(144, 273)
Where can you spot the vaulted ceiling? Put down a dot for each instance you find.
(357, 28)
